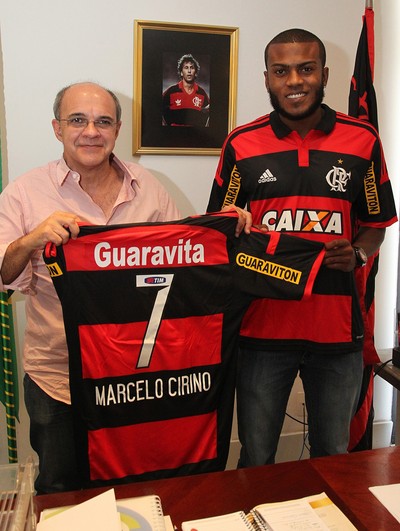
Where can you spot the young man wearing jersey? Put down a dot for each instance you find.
(318, 174)
(89, 183)
(186, 103)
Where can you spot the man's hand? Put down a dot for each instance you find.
(340, 255)
(57, 229)
(245, 220)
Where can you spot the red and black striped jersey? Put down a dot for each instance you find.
(152, 315)
(184, 109)
(320, 188)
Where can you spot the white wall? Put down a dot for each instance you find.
(50, 43)
(387, 79)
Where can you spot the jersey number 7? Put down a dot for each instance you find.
(153, 326)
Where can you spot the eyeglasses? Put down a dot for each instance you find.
(81, 123)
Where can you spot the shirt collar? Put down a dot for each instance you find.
(63, 171)
(325, 125)
(195, 86)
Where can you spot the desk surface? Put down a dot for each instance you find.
(345, 478)
(390, 373)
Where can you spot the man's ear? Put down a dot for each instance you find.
(117, 129)
(325, 75)
(266, 80)
(57, 129)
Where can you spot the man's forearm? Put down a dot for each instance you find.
(16, 258)
(369, 239)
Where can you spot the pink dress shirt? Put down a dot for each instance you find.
(24, 204)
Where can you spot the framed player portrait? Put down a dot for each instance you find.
(185, 86)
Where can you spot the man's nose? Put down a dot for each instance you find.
(91, 128)
(294, 78)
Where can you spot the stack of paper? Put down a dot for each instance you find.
(104, 513)
(389, 496)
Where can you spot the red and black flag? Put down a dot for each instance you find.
(362, 97)
(362, 104)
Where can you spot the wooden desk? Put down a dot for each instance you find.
(391, 374)
(349, 477)
(345, 478)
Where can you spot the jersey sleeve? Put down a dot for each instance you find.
(227, 186)
(277, 266)
(166, 109)
(375, 205)
(206, 101)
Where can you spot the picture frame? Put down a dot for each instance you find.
(170, 123)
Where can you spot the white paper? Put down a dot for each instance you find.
(99, 513)
(233, 522)
(296, 514)
(168, 523)
(389, 496)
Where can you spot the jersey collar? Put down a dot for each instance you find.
(326, 124)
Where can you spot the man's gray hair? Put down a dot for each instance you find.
(61, 94)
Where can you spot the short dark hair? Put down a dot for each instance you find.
(61, 94)
(296, 35)
(188, 58)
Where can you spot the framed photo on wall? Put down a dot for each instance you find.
(185, 86)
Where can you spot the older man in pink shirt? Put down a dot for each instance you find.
(89, 183)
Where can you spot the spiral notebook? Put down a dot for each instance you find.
(141, 512)
(233, 521)
(317, 512)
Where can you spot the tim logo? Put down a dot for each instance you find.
(337, 179)
(155, 280)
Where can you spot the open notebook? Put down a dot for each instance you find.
(317, 512)
(142, 512)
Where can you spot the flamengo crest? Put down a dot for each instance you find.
(337, 179)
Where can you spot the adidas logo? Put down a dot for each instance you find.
(266, 177)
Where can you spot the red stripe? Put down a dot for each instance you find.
(146, 247)
(354, 120)
(259, 121)
(113, 349)
(297, 319)
(274, 238)
(137, 449)
(313, 274)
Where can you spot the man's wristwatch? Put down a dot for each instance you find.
(361, 256)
